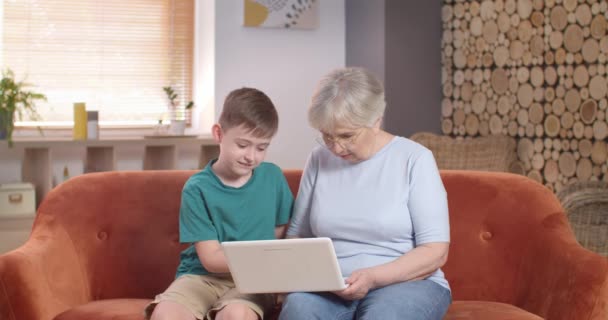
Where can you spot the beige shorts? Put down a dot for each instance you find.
(205, 295)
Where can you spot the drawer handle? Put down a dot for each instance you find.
(15, 198)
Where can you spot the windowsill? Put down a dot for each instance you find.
(105, 141)
(110, 132)
(57, 132)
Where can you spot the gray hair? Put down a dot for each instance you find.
(347, 96)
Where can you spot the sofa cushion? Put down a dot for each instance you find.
(132, 309)
(115, 309)
(461, 310)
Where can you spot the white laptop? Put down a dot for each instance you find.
(288, 265)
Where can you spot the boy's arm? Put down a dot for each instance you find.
(299, 226)
(211, 255)
(279, 231)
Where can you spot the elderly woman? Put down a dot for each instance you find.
(380, 198)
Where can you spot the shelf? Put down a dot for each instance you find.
(36, 169)
(14, 231)
(206, 154)
(160, 153)
(54, 142)
(160, 158)
(100, 159)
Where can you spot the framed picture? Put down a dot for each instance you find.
(288, 14)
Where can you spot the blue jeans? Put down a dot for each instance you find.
(412, 300)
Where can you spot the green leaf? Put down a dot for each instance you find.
(15, 101)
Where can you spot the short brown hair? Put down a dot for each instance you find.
(253, 109)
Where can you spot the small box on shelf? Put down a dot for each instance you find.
(17, 200)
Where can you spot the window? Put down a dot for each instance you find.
(114, 55)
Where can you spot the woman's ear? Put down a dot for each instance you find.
(378, 124)
(217, 133)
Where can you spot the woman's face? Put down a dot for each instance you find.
(353, 144)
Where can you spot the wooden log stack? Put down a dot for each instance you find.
(535, 70)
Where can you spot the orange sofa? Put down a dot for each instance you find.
(104, 244)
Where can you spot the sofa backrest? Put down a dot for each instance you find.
(123, 228)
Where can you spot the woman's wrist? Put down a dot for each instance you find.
(375, 277)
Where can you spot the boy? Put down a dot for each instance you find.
(235, 197)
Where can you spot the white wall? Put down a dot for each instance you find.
(285, 64)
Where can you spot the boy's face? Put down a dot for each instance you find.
(240, 150)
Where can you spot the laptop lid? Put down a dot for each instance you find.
(287, 265)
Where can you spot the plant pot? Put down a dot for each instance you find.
(177, 127)
(6, 125)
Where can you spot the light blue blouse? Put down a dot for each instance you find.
(375, 210)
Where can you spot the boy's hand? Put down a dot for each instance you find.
(359, 284)
(280, 231)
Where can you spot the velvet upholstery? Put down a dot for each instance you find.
(103, 244)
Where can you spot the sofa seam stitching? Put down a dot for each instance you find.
(80, 267)
(10, 308)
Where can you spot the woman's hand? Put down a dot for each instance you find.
(359, 284)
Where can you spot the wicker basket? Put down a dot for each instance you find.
(491, 153)
(586, 204)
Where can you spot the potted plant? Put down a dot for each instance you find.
(177, 115)
(15, 103)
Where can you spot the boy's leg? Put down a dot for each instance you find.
(416, 300)
(305, 305)
(188, 294)
(237, 311)
(235, 305)
(166, 310)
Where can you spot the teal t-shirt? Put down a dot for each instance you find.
(211, 210)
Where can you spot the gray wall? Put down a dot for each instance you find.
(365, 35)
(413, 66)
(400, 41)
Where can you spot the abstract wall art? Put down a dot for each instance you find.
(288, 14)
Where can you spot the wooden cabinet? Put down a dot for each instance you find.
(160, 153)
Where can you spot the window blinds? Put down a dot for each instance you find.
(114, 55)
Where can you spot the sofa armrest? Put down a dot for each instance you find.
(563, 280)
(41, 278)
